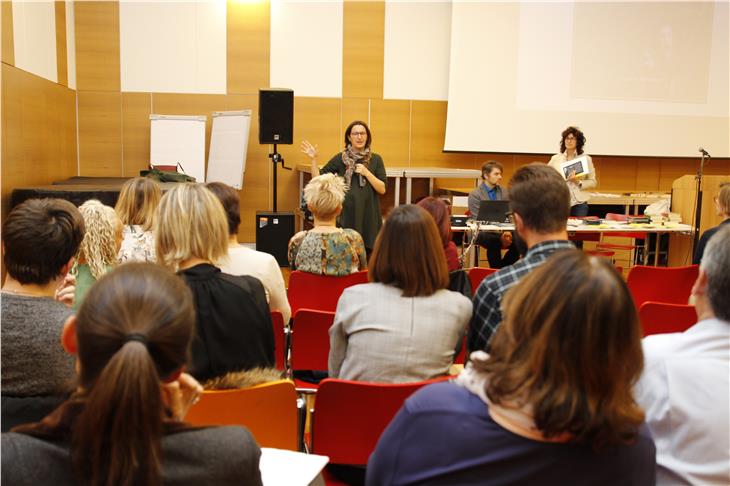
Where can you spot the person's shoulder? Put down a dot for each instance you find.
(456, 299)
(298, 237)
(248, 283)
(659, 347)
(225, 451)
(352, 235)
(374, 157)
(444, 397)
(223, 437)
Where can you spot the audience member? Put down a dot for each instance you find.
(233, 321)
(722, 205)
(441, 214)
(40, 238)
(99, 248)
(241, 260)
(540, 204)
(551, 404)
(404, 325)
(123, 424)
(490, 190)
(685, 388)
(365, 178)
(137, 209)
(327, 249)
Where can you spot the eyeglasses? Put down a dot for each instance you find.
(358, 134)
(569, 137)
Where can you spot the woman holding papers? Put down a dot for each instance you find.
(364, 174)
(571, 147)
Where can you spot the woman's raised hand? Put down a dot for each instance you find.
(308, 149)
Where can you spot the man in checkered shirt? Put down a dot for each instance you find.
(540, 204)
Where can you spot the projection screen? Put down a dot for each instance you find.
(639, 78)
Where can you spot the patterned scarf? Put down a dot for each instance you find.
(350, 158)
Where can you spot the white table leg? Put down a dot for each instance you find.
(397, 192)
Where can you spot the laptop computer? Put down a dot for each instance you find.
(494, 212)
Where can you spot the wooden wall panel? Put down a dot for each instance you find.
(390, 126)
(353, 109)
(428, 129)
(100, 134)
(647, 174)
(363, 51)
(61, 56)
(248, 27)
(38, 131)
(136, 110)
(6, 23)
(97, 45)
(615, 173)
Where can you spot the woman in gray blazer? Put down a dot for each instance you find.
(404, 325)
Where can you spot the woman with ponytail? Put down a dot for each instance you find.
(123, 425)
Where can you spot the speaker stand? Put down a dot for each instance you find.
(276, 158)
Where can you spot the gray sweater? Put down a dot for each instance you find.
(33, 360)
(214, 455)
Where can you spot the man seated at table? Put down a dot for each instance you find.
(540, 203)
(490, 190)
(685, 388)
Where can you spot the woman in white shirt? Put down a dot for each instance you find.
(404, 325)
(242, 260)
(571, 146)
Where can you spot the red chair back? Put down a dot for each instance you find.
(661, 318)
(319, 292)
(349, 416)
(280, 348)
(671, 285)
(477, 274)
(310, 341)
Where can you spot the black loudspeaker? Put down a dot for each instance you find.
(276, 116)
(273, 232)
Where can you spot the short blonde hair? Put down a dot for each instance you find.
(324, 194)
(138, 201)
(99, 246)
(191, 224)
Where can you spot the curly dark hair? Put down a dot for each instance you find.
(580, 139)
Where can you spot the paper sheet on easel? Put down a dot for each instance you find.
(228, 147)
(179, 141)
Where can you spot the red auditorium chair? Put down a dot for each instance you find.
(320, 292)
(661, 318)
(671, 285)
(477, 274)
(349, 417)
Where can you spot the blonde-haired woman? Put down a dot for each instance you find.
(327, 249)
(137, 209)
(233, 323)
(98, 250)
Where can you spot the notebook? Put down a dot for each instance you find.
(494, 212)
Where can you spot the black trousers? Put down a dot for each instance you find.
(492, 242)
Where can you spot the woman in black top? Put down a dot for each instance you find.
(233, 329)
(122, 425)
(364, 173)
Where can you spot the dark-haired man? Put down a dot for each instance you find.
(540, 204)
(490, 190)
(40, 238)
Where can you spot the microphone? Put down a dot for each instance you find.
(704, 152)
